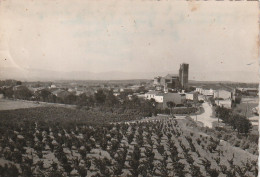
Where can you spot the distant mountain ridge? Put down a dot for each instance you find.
(49, 75)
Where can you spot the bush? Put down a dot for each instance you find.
(201, 101)
(253, 138)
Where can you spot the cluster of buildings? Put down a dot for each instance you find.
(248, 91)
(223, 97)
(173, 82)
(170, 88)
(179, 99)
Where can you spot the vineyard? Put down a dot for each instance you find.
(165, 147)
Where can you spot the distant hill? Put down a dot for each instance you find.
(195, 77)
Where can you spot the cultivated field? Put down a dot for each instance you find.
(59, 142)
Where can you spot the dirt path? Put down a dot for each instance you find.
(206, 117)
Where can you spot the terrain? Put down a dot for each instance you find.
(57, 141)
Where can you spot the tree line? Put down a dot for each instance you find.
(236, 121)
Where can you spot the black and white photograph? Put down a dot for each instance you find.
(133, 88)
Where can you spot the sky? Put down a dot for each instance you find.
(219, 40)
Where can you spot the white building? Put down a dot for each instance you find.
(199, 90)
(53, 86)
(222, 94)
(209, 92)
(163, 98)
(192, 96)
(151, 94)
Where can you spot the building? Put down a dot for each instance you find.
(163, 98)
(174, 97)
(174, 81)
(157, 81)
(225, 103)
(207, 92)
(151, 94)
(192, 96)
(249, 91)
(184, 75)
(170, 81)
(222, 94)
(199, 90)
(255, 110)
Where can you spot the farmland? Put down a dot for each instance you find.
(52, 141)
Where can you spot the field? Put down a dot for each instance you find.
(216, 85)
(18, 104)
(52, 141)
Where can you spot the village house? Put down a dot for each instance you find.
(151, 94)
(222, 94)
(163, 98)
(192, 96)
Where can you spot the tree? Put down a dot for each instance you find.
(171, 105)
(110, 98)
(18, 83)
(238, 99)
(23, 93)
(134, 162)
(242, 124)
(82, 100)
(44, 94)
(67, 167)
(7, 171)
(55, 174)
(70, 99)
(100, 96)
(82, 171)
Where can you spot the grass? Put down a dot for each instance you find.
(17, 104)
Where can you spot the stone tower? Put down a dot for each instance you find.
(184, 75)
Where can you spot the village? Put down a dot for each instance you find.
(120, 128)
(172, 91)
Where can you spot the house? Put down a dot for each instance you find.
(61, 93)
(250, 91)
(163, 98)
(134, 87)
(125, 90)
(159, 97)
(255, 110)
(222, 94)
(116, 94)
(53, 86)
(19, 87)
(151, 94)
(173, 97)
(192, 96)
(141, 96)
(199, 90)
(78, 92)
(209, 92)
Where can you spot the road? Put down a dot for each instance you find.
(206, 117)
